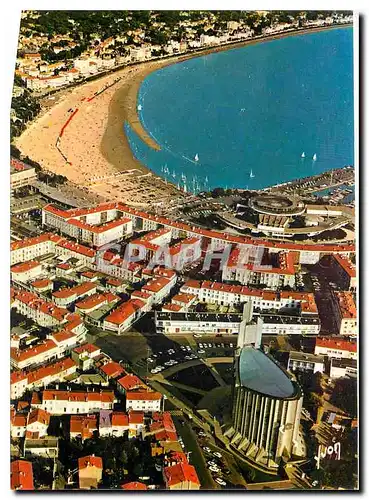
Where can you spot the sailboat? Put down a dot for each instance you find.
(173, 174)
(251, 175)
(139, 107)
(196, 157)
(206, 180)
(314, 157)
(303, 155)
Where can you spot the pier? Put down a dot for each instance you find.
(315, 183)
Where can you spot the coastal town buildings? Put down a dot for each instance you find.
(141, 321)
(21, 175)
(336, 348)
(344, 310)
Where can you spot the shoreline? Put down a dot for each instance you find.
(128, 112)
(95, 143)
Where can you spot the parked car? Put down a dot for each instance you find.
(217, 454)
(220, 481)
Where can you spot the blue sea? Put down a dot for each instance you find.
(249, 113)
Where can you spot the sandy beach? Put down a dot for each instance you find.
(93, 150)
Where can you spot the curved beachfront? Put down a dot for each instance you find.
(82, 135)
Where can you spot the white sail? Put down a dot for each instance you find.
(196, 157)
(314, 157)
(139, 107)
(251, 175)
(303, 155)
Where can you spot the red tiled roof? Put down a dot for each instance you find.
(41, 283)
(28, 242)
(78, 290)
(90, 348)
(90, 461)
(25, 266)
(172, 307)
(50, 370)
(143, 396)
(344, 345)
(156, 284)
(18, 420)
(62, 336)
(35, 302)
(346, 264)
(99, 229)
(83, 424)
(165, 273)
(17, 376)
(77, 248)
(346, 304)
(32, 351)
(136, 417)
(40, 416)
(134, 485)
(112, 369)
(119, 419)
(103, 396)
(130, 381)
(186, 298)
(21, 474)
(141, 295)
(124, 311)
(179, 473)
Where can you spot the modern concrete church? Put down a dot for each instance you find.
(267, 402)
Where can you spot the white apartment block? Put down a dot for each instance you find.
(144, 401)
(345, 316)
(336, 348)
(26, 271)
(73, 402)
(213, 292)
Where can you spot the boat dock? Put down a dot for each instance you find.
(316, 183)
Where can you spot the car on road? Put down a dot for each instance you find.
(214, 469)
(197, 335)
(220, 481)
(217, 454)
(207, 449)
(212, 463)
(201, 351)
(167, 363)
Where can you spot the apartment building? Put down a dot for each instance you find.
(145, 401)
(72, 402)
(334, 348)
(345, 315)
